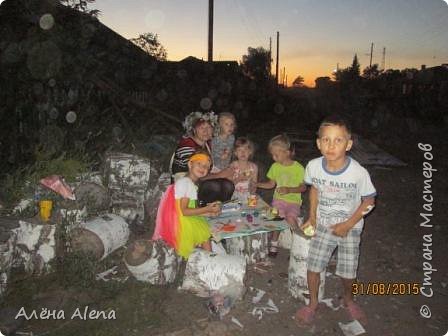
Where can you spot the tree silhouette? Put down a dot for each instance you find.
(81, 5)
(355, 67)
(350, 74)
(150, 44)
(298, 82)
(322, 82)
(256, 63)
(371, 72)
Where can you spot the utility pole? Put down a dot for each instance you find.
(270, 56)
(284, 75)
(276, 64)
(383, 61)
(371, 55)
(286, 81)
(210, 30)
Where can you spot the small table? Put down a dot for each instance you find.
(242, 237)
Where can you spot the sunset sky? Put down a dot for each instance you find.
(315, 35)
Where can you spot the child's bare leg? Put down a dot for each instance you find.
(354, 311)
(313, 280)
(207, 246)
(273, 249)
(305, 315)
(348, 290)
(292, 222)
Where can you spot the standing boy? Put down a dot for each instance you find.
(341, 195)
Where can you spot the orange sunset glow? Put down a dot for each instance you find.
(314, 36)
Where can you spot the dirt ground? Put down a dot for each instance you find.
(391, 252)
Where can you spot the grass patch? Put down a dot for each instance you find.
(23, 182)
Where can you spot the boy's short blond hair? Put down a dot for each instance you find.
(335, 120)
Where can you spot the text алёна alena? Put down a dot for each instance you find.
(80, 313)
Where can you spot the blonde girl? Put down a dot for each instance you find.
(286, 176)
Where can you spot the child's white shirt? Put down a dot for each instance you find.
(339, 193)
(185, 187)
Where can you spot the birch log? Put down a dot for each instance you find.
(207, 272)
(93, 196)
(101, 236)
(35, 245)
(8, 239)
(152, 261)
(157, 188)
(297, 280)
(127, 171)
(253, 248)
(285, 237)
(129, 205)
(70, 214)
(127, 178)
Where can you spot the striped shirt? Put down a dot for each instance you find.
(185, 149)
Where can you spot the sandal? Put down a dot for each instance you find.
(305, 316)
(355, 312)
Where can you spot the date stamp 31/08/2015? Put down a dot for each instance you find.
(385, 288)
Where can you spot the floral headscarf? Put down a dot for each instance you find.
(190, 120)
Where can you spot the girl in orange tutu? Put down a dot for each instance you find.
(180, 223)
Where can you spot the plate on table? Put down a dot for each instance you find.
(275, 219)
(228, 227)
(270, 226)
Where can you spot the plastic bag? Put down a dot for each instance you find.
(220, 302)
(58, 185)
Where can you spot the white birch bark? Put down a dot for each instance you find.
(253, 248)
(297, 279)
(101, 235)
(152, 262)
(207, 273)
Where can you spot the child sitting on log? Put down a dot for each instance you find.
(180, 223)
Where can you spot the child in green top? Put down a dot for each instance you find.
(287, 176)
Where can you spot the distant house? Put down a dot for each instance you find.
(323, 82)
(192, 62)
